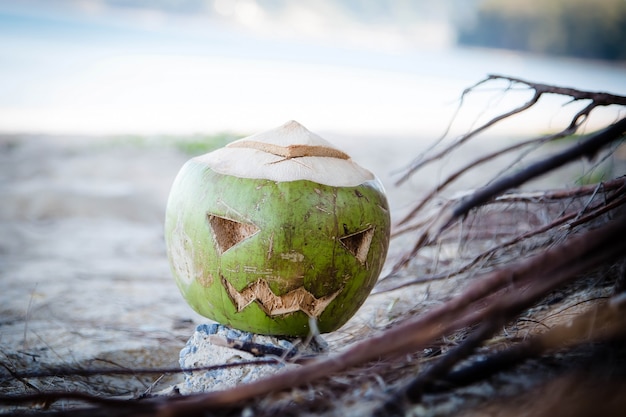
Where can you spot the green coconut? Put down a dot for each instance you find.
(275, 229)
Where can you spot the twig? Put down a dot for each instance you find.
(505, 308)
(601, 98)
(65, 372)
(597, 99)
(560, 194)
(19, 377)
(50, 397)
(617, 199)
(600, 211)
(579, 251)
(526, 197)
(467, 136)
(586, 148)
(29, 311)
(465, 169)
(584, 328)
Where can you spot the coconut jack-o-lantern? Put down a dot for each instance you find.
(275, 229)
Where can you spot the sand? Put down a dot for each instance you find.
(84, 278)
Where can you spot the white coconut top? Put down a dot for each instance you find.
(287, 153)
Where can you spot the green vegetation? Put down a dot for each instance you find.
(191, 145)
(580, 28)
(201, 144)
(592, 171)
(594, 176)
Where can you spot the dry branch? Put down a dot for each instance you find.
(587, 148)
(600, 98)
(597, 99)
(66, 372)
(461, 171)
(600, 323)
(422, 162)
(603, 322)
(429, 230)
(615, 197)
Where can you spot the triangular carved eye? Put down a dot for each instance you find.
(359, 243)
(230, 232)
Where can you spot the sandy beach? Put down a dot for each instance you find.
(84, 278)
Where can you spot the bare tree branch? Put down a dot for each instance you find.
(505, 307)
(583, 329)
(575, 218)
(587, 148)
(64, 372)
(419, 164)
(601, 98)
(597, 99)
(465, 169)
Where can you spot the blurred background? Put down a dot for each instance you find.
(362, 67)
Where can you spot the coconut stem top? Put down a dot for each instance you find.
(287, 153)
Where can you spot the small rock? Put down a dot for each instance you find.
(215, 344)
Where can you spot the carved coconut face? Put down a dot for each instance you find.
(274, 229)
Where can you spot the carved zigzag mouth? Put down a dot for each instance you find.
(275, 305)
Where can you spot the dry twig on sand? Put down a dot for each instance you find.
(588, 147)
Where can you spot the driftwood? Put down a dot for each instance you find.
(585, 237)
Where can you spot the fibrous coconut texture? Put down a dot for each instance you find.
(276, 229)
(287, 153)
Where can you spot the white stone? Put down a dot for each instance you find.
(207, 347)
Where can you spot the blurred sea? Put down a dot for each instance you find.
(88, 74)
